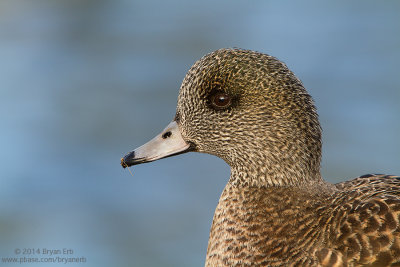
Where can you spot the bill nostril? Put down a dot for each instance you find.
(166, 135)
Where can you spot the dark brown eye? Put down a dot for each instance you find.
(220, 100)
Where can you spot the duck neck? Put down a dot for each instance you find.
(240, 177)
(279, 171)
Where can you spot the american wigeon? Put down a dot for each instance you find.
(250, 110)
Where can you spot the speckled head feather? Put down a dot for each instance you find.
(249, 109)
(270, 133)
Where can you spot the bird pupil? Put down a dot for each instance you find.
(221, 100)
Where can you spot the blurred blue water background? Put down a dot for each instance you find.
(83, 82)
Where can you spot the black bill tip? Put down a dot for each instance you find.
(123, 164)
(130, 160)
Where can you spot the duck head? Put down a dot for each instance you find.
(250, 110)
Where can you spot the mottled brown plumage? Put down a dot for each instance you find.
(249, 109)
(355, 223)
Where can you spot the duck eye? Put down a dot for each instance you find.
(220, 100)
